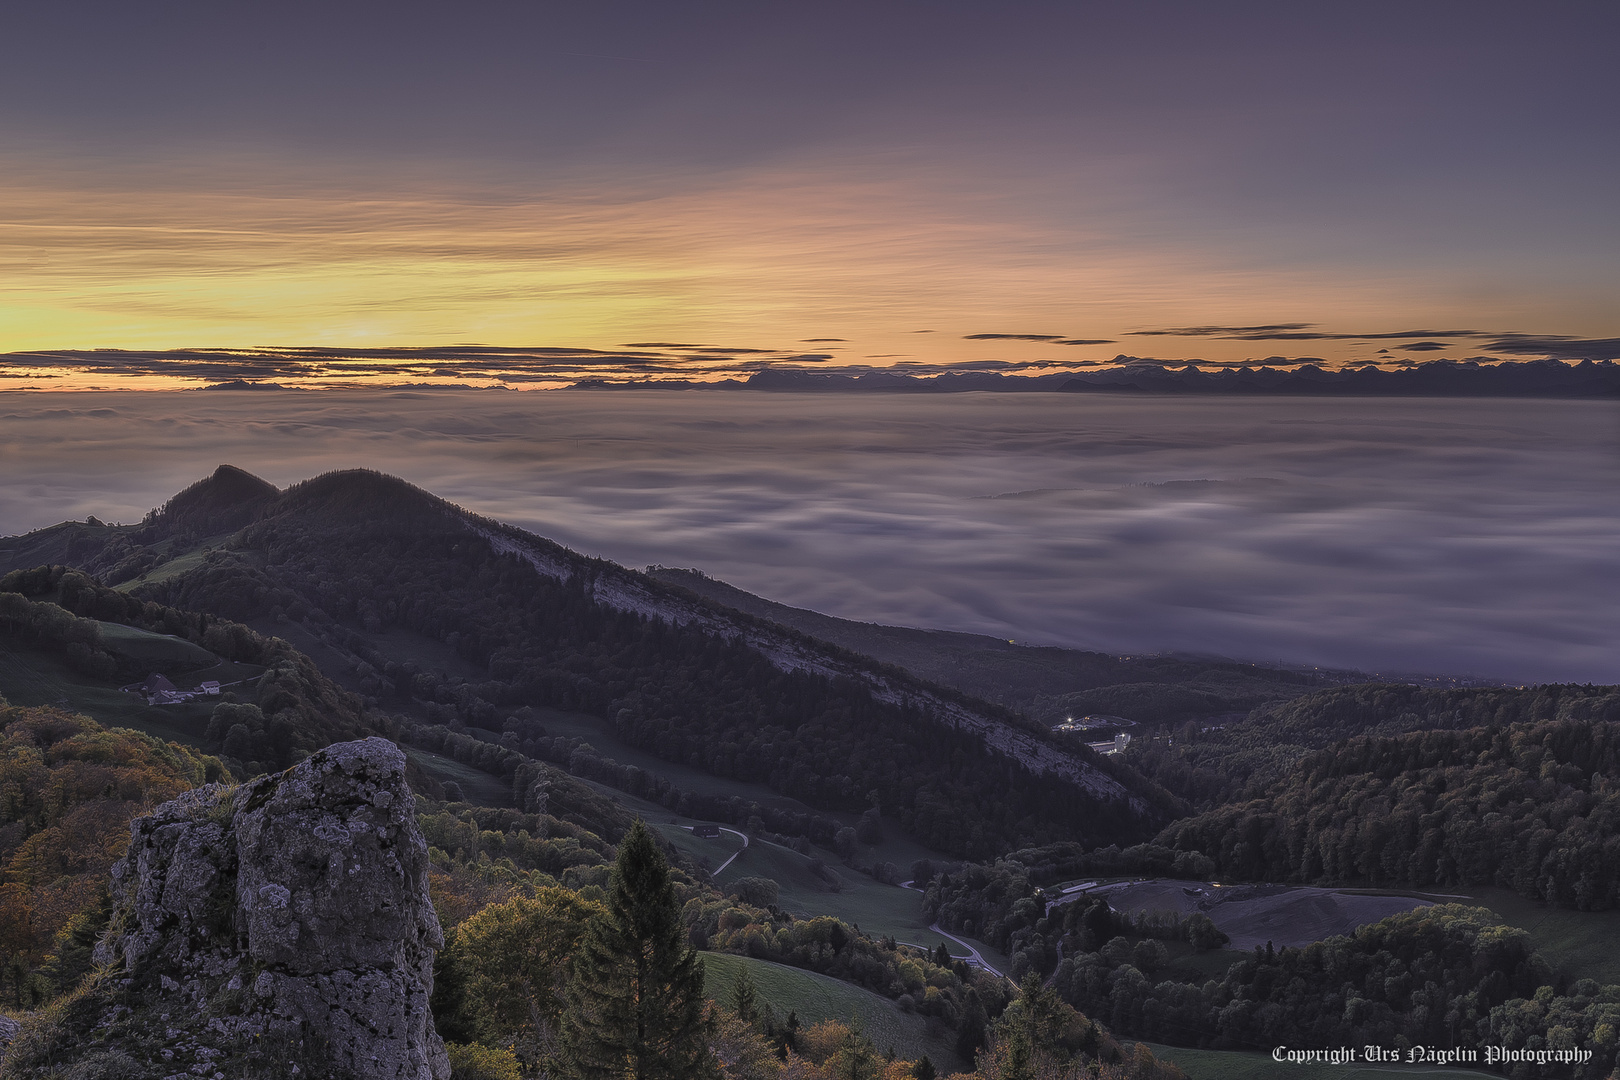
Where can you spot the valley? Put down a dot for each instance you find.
(544, 700)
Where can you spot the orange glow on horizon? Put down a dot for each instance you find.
(769, 262)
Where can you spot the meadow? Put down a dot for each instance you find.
(816, 997)
(30, 676)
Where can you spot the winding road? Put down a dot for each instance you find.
(741, 836)
(973, 956)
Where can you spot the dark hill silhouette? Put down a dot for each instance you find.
(438, 615)
(232, 497)
(355, 496)
(223, 502)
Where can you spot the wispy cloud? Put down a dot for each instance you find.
(1567, 347)
(1296, 332)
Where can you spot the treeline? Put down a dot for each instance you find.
(1243, 759)
(999, 904)
(53, 627)
(1217, 690)
(508, 840)
(536, 787)
(1446, 976)
(982, 893)
(679, 692)
(1534, 807)
(798, 828)
(84, 596)
(921, 982)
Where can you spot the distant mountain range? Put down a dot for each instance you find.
(1275, 376)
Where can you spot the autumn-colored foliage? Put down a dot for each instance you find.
(68, 789)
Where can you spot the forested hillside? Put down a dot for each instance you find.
(1048, 683)
(514, 891)
(462, 640)
(1245, 758)
(68, 788)
(383, 573)
(1531, 806)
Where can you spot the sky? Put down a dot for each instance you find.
(846, 184)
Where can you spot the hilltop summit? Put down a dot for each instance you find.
(356, 495)
(222, 502)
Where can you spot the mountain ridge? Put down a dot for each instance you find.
(353, 553)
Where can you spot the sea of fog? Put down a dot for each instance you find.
(1448, 536)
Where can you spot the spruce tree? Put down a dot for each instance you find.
(744, 1001)
(635, 1003)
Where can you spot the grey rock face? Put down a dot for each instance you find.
(300, 900)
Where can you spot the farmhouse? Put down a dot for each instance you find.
(156, 689)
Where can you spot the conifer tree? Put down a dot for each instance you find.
(635, 1003)
(744, 1001)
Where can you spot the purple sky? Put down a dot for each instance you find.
(754, 175)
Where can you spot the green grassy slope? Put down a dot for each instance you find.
(480, 788)
(34, 677)
(1580, 944)
(816, 997)
(879, 910)
(156, 650)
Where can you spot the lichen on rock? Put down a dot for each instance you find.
(288, 916)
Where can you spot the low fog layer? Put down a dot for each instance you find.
(1449, 536)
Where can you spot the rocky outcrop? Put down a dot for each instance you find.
(290, 912)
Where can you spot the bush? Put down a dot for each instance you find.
(475, 1061)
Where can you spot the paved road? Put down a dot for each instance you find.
(973, 956)
(739, 851)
